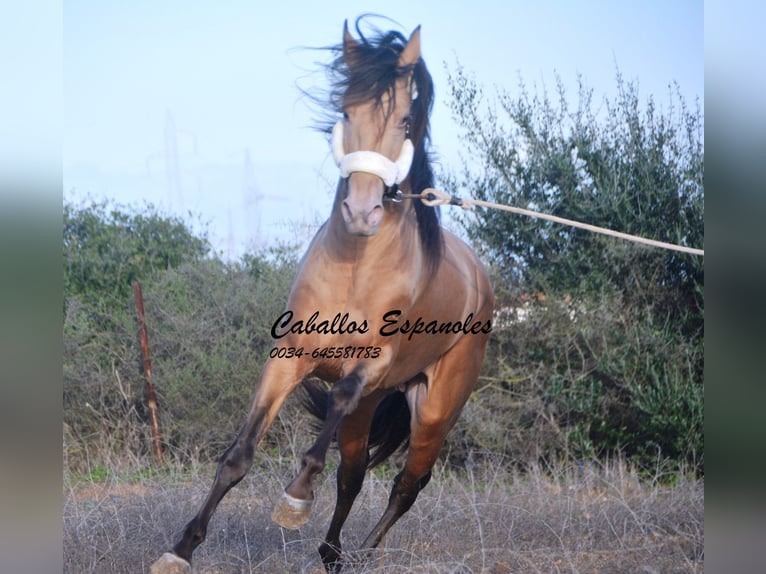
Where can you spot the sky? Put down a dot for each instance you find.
(196, 107)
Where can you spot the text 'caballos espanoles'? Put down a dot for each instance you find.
(342, 324)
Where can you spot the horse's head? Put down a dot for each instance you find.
(373, 143)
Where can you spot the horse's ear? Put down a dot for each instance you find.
(349, 44)
(411, 53)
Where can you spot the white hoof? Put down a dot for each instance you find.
(169, 563)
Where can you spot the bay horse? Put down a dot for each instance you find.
(387, 305)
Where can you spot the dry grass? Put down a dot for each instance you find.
(489, 520)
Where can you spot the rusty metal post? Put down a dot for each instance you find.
(151, 395)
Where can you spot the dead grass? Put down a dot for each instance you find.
(480, 520)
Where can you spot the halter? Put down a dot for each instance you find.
(391, 172)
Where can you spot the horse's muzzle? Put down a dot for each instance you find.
(362, 208)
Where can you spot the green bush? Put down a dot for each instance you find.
(108, 247)
(584, 383)
(208, 323)
(611, 361)
(212, 335)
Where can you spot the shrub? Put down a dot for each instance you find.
(609, 354)
(208, 323)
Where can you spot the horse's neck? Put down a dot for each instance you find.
(397, 236)
(386, 269)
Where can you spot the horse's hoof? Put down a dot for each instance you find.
(291, 512)
(170, 564)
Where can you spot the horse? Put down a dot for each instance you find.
(387, 306)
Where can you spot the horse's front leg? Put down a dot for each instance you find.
(278, 379)
(294, 507)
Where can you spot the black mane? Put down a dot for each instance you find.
(373, 73)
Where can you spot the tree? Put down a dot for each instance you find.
(107, 248)
(640, 172)
(638, 331)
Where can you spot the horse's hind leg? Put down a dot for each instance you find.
(435, 406)
(407, 485)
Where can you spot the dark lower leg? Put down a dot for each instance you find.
(350, 479)
(234, 465)
(343, 399)
(403, 495)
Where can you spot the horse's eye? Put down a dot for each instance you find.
(345, 116)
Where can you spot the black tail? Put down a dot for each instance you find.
(390, 428)
(316, 401)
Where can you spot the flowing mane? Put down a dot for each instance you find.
(367, 75)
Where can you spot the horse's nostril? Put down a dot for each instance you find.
(375, 216)
(348, 215)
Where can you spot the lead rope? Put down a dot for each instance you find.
(434, 197)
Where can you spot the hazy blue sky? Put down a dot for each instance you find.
(194, 106)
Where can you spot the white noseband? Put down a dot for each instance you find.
(390, 172)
